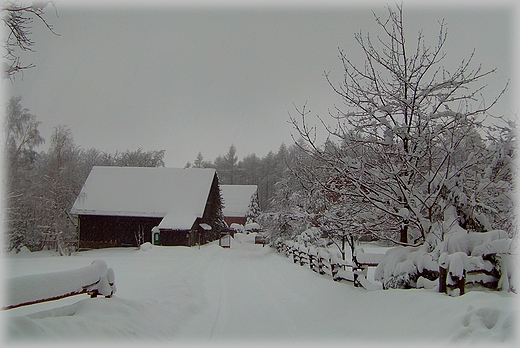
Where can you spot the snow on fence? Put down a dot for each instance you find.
(96, 279)
(324, 261)
(458, 270)
(483, 259)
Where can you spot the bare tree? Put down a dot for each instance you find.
(410, 134)
(22, 136)
(60, 188)
(18, 19)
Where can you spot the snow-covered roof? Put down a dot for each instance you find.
(236, 199)
(177, 195)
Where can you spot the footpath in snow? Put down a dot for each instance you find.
(244, 293)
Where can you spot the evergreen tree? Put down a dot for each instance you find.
(199, 161)
(253, 210)
(216, 219)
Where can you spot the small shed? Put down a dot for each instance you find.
(225, 240)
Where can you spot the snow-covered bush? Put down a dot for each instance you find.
(484, 258)
(239, 228)
(283, 225)
(311, 237)
(252, 227)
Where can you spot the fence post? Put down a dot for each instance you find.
(443, 274)
(333, 269)
(302, 259)
(356, 270)
(462, 284)
(320, 265)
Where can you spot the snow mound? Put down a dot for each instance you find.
(24, 250)
(146, 246)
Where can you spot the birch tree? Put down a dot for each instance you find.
(22, 137)
(61, 173)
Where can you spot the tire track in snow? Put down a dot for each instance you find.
(254, 306)
(286, 320)
(253, 309)
(222, 301)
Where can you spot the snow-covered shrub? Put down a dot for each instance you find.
(286, 226)
(23, 250)
(239, 228)
(396, 270)
(484, 258)
(252, 227)
(311, 236)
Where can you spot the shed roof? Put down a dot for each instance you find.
(180, 194)
(236, 198)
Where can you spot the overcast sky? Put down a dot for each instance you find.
(189, 79)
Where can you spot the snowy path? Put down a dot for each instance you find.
(245, 305)
(247, 292)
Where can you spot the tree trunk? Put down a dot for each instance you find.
(404, 234)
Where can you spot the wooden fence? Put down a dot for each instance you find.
(96, 279)
(476, 270)
(458, 270)
(321, 261)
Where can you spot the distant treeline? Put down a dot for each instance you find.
(42, 186)
(251, 170)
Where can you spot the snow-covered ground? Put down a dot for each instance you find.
(248, 292)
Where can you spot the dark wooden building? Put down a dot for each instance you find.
(119, 206)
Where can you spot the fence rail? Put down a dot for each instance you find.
(96, 279)
(321, 261)
(478, 270)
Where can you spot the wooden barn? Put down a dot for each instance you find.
(236, 202)
(119, 206)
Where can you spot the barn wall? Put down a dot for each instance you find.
(108, 231)
(175, 237)
(185, 237)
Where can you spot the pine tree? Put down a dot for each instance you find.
(253, 210)
(216, 219)
(199, 161)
